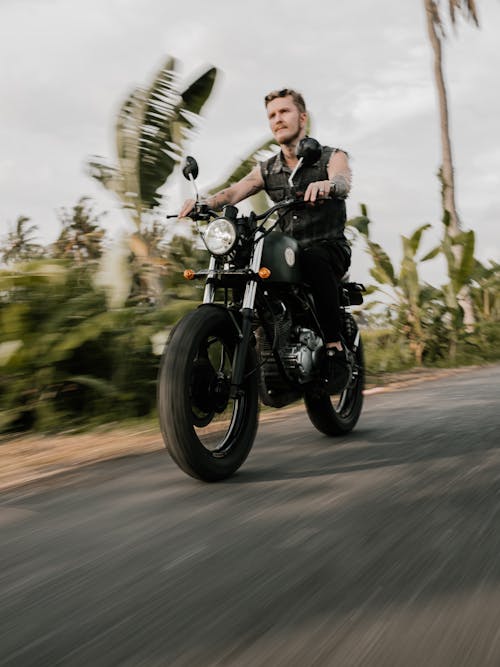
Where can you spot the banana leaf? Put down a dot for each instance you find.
(169, 115)
(383, 265)
(433, 253)
(151, 127)
(414, 240)
(361, 222)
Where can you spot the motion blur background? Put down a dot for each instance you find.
(88, 292)
(364, 68)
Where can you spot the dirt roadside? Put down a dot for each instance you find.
(34, 457)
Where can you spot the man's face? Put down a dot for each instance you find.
(287, 123)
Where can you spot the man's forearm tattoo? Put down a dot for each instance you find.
(218, 200)
(340, 186)
(254, 190)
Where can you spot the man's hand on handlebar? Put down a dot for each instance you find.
(317, 190)
(187, 207)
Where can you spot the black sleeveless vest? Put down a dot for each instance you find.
(325, 221)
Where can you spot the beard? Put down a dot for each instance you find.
(288, 136)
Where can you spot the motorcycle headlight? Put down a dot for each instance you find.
(220, 236)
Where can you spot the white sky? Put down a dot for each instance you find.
(364, 68)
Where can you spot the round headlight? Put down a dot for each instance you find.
(220, 236)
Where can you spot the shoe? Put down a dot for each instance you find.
(338, 369)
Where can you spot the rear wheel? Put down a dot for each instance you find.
(338, 414)
(207, 433)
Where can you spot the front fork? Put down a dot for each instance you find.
(245, 333)
(247, 309)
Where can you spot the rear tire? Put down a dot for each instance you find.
(208, 434)
(338, 414)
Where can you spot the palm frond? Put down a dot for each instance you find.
(151, 127)
(198, 92)
(128, 136)
(466, 7)
(169, 115)
(158, 151)
(108, 176)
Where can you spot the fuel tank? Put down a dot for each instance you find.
(281, 257)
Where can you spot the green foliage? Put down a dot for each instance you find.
(361, 222)
(485, 291)
(82, 235)
(66, 358)
(20, 243)
(413, 306)
(460, 265)
(152, 126)
(427, 320)
(384, 351)
(383, 272)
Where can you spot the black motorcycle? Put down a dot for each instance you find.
(256, 334)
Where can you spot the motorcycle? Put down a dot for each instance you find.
(256, 335)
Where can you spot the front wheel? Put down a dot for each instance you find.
(338, 414)
(207, 433)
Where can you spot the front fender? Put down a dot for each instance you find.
(233, 316)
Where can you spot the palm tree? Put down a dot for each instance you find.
(82, 235)
(437, 33)
(20, 242)
(152, 126)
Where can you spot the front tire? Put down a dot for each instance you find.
(206, 432)
(338, 414)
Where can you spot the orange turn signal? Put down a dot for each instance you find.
(264, 272)
(188, 274)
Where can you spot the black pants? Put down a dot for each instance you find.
(323, 265)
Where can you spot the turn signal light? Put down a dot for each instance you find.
(264, 272)
(188, 274)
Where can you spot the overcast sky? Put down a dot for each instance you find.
(364, 67)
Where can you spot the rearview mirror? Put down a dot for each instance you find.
(190, 169)
(309, 150)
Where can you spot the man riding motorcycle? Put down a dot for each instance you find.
(318, 228)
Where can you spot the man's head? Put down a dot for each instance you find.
(287, 115)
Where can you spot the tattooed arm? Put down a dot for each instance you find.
(339, 173)
(339, 179)
(247, 186)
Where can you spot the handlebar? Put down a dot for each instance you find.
(286, 203)
(201, 211)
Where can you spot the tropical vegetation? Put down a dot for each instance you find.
(83, 320)
(437, 33)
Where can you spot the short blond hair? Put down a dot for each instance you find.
(284, 92)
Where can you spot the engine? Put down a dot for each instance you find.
(299, 349)
(301, 358)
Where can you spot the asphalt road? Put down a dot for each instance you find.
(380, 548)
